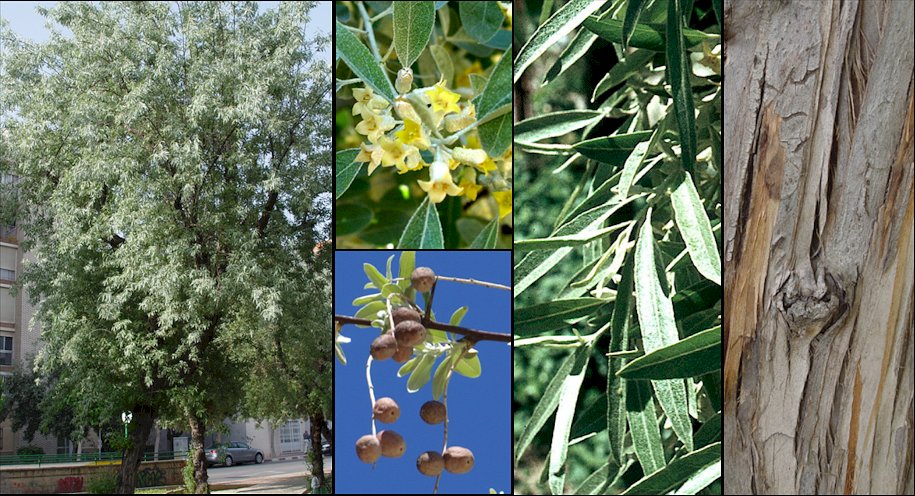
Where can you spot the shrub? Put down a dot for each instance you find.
(30, 450)
(103, 484)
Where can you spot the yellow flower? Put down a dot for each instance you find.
(374, 125)
(504, 199)
(370, 153)
(397, 154)
(463, 78)
(471, 188)
(413, 134)
(440, 183)
(443, 100)
(367, 102)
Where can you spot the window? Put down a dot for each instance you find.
(290, 432)
(6, 350)
(8, 263)
(7, 306)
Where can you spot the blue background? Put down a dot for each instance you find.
(480, 409)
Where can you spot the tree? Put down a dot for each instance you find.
(819, 248)
(167, 156)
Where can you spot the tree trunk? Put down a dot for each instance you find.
(328, 434)
(317, 456)
(140, 427)
(198, 435)
(818, 247)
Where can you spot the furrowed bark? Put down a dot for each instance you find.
(140, 426)
(198, 435)
(819, 247)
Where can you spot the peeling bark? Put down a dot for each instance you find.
(819, 247)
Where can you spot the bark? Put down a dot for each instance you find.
(818, 247)
(198, 435)
(140, 427)
(317, 456)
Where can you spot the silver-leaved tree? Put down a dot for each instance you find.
(173, 184)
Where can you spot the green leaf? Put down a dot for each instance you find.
(496, 135)
(560, 24)
(554, 124)
(391, 289)
(678, 69)
(488, 238)
(592, 419)
(458, 316)
(498, 90)
(546, 317)
(612, 149)
(576, 50)
(643, 424)
(560, 241)
(374, 275)
(405, 267)
(709, 432)
(702, 479)
(696, 230)
(597, 481)
(362, 63)
(550, 399)
(413, 23)
(469, 366)
(633, 9)
(363, 300)
(424, 229)
(643, 36)
(443, 62)
(347, 170)
(691, 357)
(370, 311)
(619, 340)
(678, 472)
(481, 19)
(656, 322)
(422, 374)
(352, 218)
(568, 398)
(408, 367)
(632, 165)
(441, 373)
(537, 263)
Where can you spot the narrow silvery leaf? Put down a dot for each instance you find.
(678, 472)
(481, 19)
(619, 340)
(633, 9)
(405, 267)
(413, 23)
(488, 238)
(496, 135)
(421, 374)
(374, 275)
(424, 229)
(678, 70)
(690, 357)
(361, 62)
(632, 166)
(696, 230)
(347, 170)
(568, 398)
(498, 90)
(549, 400)
(560, 24)
(658, 328)
(554, 124)
(553, 315)
(643, 424)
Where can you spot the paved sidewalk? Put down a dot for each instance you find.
(276, 484)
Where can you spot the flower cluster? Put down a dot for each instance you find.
(431, 127)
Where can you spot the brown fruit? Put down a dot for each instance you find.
(384, 346)
(409, 333)
(368, 449)
(403, 354)
(422, 279)
(386, 410)
(432, 412)
(392, 444)
(401, 314)
(430, 463)
(458, 460)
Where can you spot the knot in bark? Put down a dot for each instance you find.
(811, 306)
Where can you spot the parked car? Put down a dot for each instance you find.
(229, 454)
(325, 448)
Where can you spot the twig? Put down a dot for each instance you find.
(369, 30)
(454, 361)
(473, 334)
(464, 281)
(368, 379)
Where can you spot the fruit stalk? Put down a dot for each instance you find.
(474, 334)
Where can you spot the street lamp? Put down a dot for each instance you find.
(126, 417)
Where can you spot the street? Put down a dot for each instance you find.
(250, 472)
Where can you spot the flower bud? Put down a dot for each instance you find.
(468, 156)
(405, 111)
(404, 80)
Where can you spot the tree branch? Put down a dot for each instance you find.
(473, 334)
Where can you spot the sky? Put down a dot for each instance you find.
(28, 23)
(480, 408)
